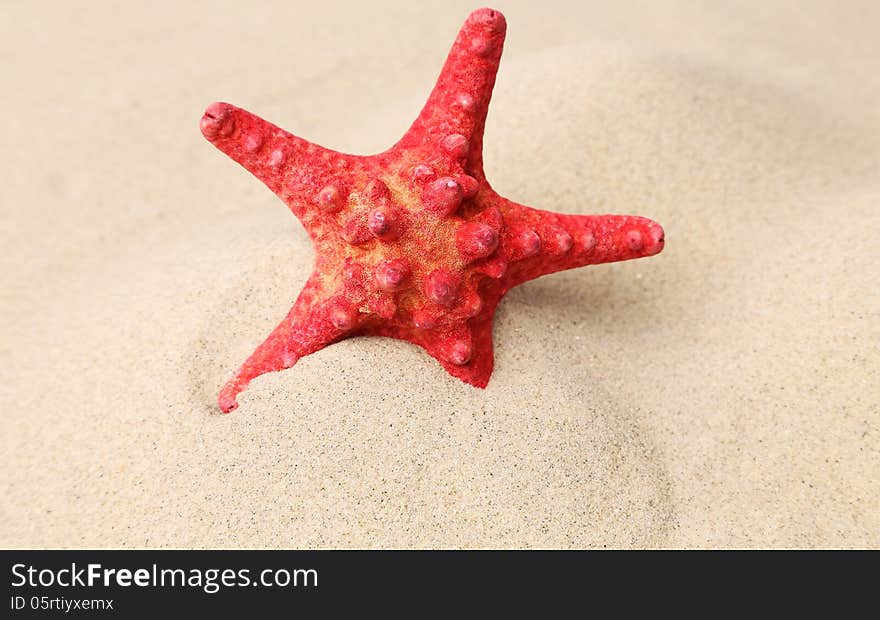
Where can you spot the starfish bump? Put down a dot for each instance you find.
(413, 243)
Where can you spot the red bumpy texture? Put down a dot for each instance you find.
(413, 243)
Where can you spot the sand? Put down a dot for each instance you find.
(722, 394)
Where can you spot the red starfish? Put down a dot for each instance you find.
(413, 243)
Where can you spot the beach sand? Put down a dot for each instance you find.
(722, 394)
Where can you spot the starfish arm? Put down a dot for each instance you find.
(314, 322)
(463, 347)
(539, 242)
(460, 100)
(293, 168)
(466, 350)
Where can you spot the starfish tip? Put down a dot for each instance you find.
(656, 239)
(217, 121)
(489, 20)
(477, 379)
(647, 239)
(227, 399)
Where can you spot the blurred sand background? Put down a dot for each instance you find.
(725, 393)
